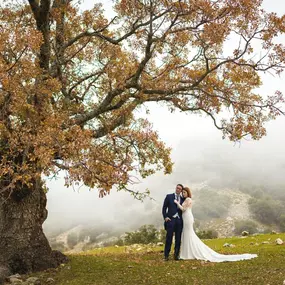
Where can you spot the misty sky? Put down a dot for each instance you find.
(198, 149)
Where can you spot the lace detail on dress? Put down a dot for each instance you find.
(186, 204)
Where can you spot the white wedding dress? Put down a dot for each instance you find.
(191, 245)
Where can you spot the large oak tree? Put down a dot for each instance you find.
(70, 82)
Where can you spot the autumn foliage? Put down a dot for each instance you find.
(70, 82)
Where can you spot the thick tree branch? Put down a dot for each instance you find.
(117, 121)
(35, 8)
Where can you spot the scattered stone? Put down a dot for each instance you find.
(228, 245)
(15, 276)
(33, 281)
(252, 243)
(50, 280)
(273, 232)
(160, 244)
(279, 241)
(265, 242)
(15, 281)
(244, 233)
(116, 246)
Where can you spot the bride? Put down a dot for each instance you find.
(191, 246)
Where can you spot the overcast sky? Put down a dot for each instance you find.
(195, 142)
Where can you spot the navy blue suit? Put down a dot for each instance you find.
(169, 209)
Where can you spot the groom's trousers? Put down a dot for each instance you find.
(173, 226)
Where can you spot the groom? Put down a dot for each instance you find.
(172, 221)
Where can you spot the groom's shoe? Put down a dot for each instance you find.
(166, 258)
(176, 257)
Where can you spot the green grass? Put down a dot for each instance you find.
(114, 265)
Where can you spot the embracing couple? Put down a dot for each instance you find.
(179, 220)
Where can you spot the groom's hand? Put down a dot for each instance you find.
(167, 219)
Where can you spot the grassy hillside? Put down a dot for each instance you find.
(126, 265)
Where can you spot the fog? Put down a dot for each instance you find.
(200, 156)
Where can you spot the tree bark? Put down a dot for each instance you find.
(23, 245)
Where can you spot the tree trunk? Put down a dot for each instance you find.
(23, 245)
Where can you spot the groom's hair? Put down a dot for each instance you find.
(180, 185)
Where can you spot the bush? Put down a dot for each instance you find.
(144, 235)
(211, 204)
(161, 235)
(282, 223)
(207, 234)
(258, 194)
(267, 230)
(245, 225)
(55, 245)
(266, 211)
(92, 233)
(109, 243)
(120, 242)
(72, 239)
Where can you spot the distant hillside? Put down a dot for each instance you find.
(225, 211)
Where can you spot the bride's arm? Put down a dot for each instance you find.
(186, 204)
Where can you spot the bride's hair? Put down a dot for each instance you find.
(187, 189)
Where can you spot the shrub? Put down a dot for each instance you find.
(258, 194)
(207, 234)
(72, 239)
(267, 230)
(145, 234)
(266, 211)
(161, 235)
(282, 223)
(97, 233)
(245, 225)
(110, 243)
(55, 245)
(211, 204)
(120, 242)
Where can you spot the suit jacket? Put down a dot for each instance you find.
(169, 208)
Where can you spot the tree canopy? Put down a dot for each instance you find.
(71, 80)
